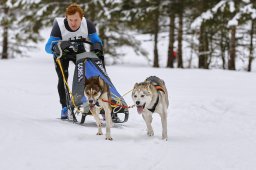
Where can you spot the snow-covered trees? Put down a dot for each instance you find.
(218, 33)
(228, 21)
(18, 27)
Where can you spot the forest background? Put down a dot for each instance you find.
(214, 33)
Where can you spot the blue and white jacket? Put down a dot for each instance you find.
(62, 31)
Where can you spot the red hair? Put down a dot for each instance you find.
(74, 8)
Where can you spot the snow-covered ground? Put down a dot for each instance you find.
(211, 122)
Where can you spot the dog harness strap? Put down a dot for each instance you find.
(159, 88)
(117, 105)
(154, 107)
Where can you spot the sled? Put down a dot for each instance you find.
(89, 65)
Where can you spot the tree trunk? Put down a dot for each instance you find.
(104, 39)
(92, 13)
(203, 48)
(180, 34)
(102, 33)
(251, 48)
(156, 31)
(209, 48)
(222, 50)
(231, 62)
(5, 33)
(171, 57)
(191, 50)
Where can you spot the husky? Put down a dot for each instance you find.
(97, 92)
(151, 96)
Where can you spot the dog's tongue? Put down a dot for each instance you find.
(139, 109)
(91, 106)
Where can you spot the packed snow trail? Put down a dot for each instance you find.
(211, 122)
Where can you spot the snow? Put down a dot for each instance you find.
(231, 6)
(207, 15)
(248, 9)
(234, 21)
(246, 1)
(211, 121)
(218, 5)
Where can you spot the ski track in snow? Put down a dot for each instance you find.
(211, 122)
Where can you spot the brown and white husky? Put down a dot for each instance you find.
(96, 90)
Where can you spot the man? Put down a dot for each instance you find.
(73, 26)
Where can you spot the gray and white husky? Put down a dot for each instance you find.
(151, 96)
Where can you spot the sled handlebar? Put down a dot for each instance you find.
(83, 40)
(66, 44)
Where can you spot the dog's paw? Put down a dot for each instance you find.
(150, 133)
(109, 138)
(80, 110)
(99, 124)
(99, 133)
(165, 138)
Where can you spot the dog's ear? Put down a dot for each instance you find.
(134, 88)
(148, 86)
(136, 85)
(101, 82)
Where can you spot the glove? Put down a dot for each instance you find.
(66, 48)
(55, 50)
(97, 49)
(99, 53)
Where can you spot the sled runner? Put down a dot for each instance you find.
(89, 65)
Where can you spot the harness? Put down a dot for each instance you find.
(158, 88)
(154, 107)
(116, 106)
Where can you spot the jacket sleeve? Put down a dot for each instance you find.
(51, 41)
(54, 37)
(92, 34)
(95, 38)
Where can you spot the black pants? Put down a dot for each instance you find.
(65, 64)
(61, 88)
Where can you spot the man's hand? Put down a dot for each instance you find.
(64, 47)
(99, 53)
(55, 50)
(98, 50)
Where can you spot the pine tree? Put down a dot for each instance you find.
(170, 12)
(146, 17)
(5, 26)
(215, 30)
(246, 15)
(18, 27)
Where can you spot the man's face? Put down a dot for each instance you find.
(74, 21)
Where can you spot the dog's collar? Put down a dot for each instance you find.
(154, 107)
